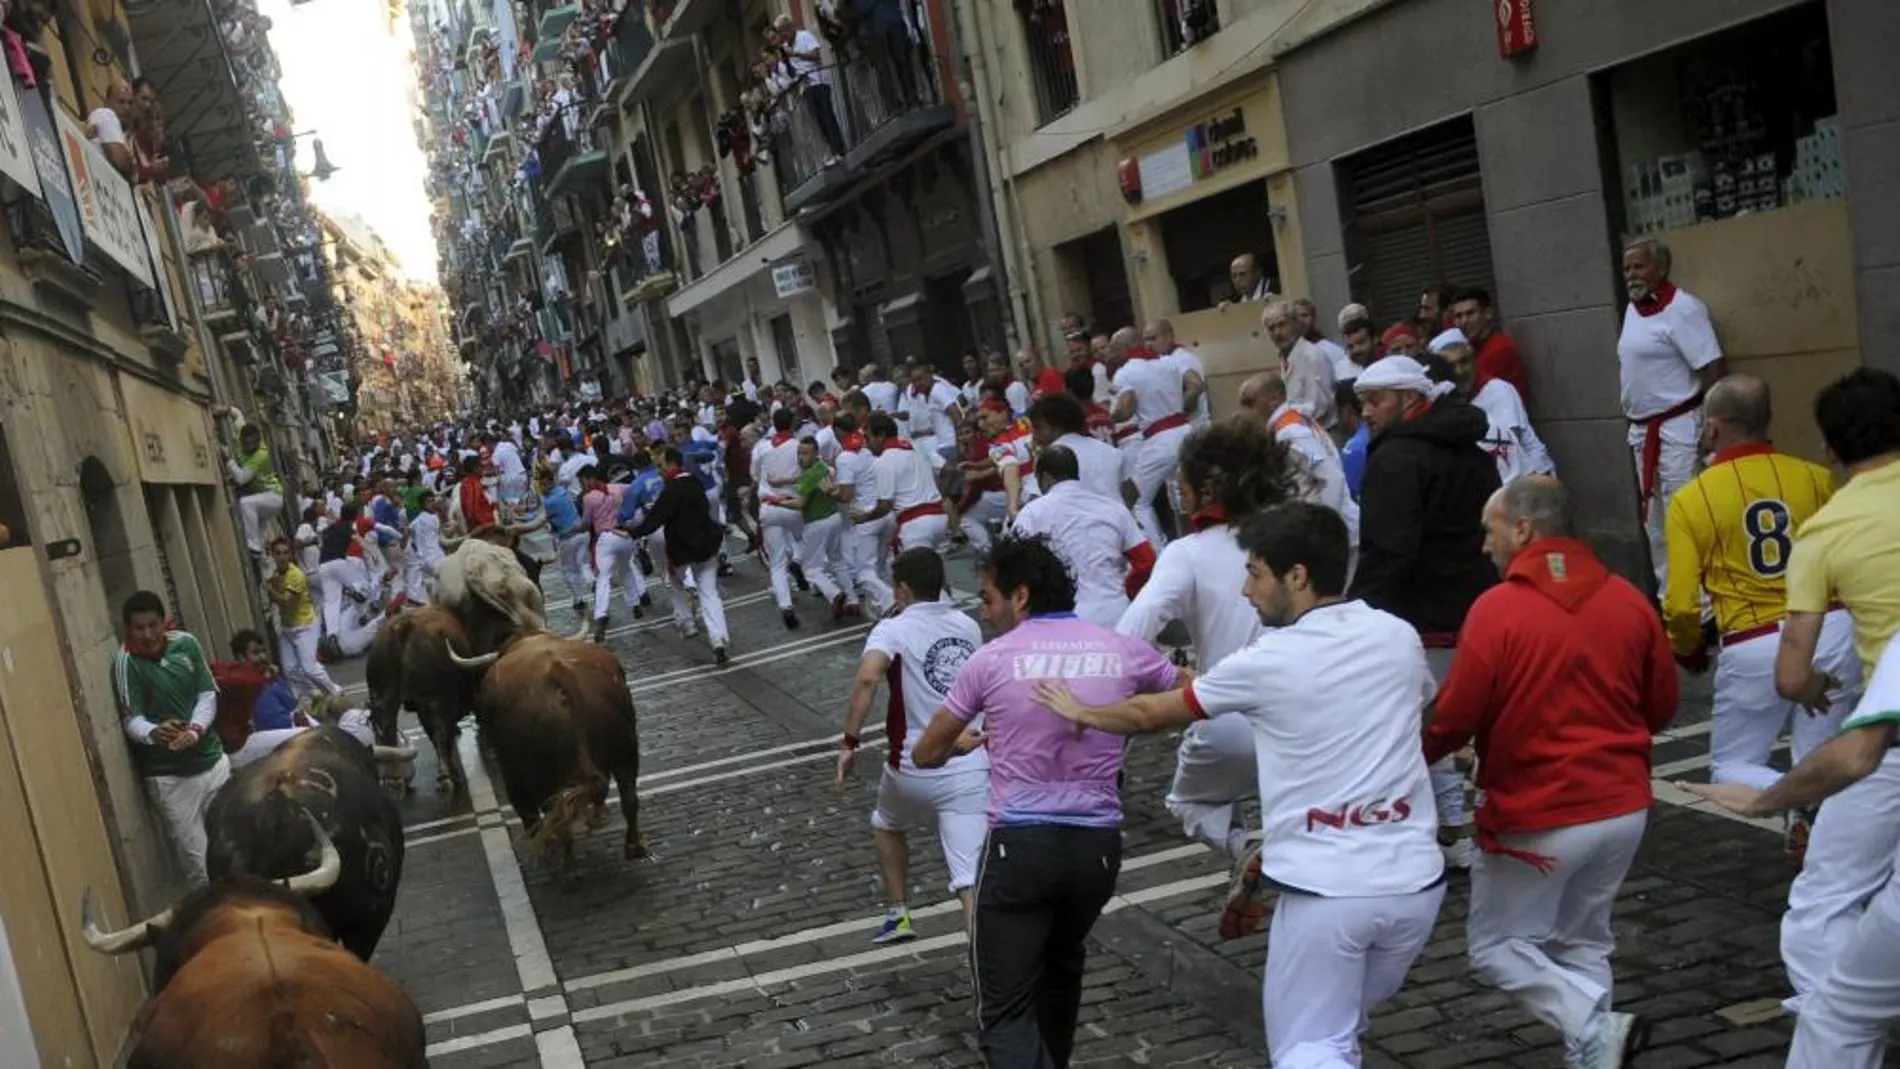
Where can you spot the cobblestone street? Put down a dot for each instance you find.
(746, 940)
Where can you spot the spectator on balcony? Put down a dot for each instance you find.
(897, 49)
(107, 124)
(148, 139)
(1251, 284)
(805, 60)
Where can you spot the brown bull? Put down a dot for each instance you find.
(409, 667)
(253, 980)
(561, 720)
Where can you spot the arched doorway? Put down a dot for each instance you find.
(111, 543)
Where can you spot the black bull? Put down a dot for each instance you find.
(256, 825)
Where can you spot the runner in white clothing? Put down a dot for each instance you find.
(1158, 396)
(775, 472)
(1322, 473)
(1094, 535)
(917, 653)
(906, 489)
(1333, 693)
(1060, 419)
(1228, 471)
(866, 545)
(1160, 337)
(1511, 441)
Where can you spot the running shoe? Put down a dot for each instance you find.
(1246, 911)
(720, 658)
(895, 930)
(1609, 1041)
(790, 618)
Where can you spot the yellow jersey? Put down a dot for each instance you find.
(1849, 553)
(1731, 532)
(300, 612)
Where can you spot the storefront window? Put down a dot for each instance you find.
(1738, 122)
(1203, 238)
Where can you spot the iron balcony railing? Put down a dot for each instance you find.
(566, 137)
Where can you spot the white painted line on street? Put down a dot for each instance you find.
(517, 911)
(455, 1013)
(425, 840)
(1670, 794)
(429, 825)
(1191, 885)
(560, 1048)
(480, 1039)
(858, 925)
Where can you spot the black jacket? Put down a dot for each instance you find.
(1421, 518)
(682, 511)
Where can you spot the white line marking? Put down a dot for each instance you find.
(425, 840)
(517, 911)
(473, 1008)
(429, 825)
(1669, 793)
(480, 1039)
(559, 1048)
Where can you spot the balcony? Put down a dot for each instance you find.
(513, 99)
(878, 105)
(46, 258)
(659, 61)
(621, 56)
(570, 158)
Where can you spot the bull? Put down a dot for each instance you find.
(408, 667)
(248, 975)
(257, 825)
(562, 722)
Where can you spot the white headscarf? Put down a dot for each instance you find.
(1447, 339)
(1398, 373)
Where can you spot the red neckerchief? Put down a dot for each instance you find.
(1316, 337)
(155, 658)
(1657, 300)
(1737, 452)
(681, 473)
(1208, 517)
(1142, 352)
(851, 442)
(894, 442)
(1016, 432)
(781, 437)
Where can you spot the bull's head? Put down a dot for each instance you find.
(142, 934)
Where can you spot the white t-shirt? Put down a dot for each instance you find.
(1185, 359)
(1335, 701)
(827, 444)
(904, 478)
(929, 413)
(1197, 580)
(1157, 387)
(106, 128)
(855, 469)
(1660, 354)
(927, 644)
(1324, 471)
(1511, 441)
(1098, 465)
(570, 471)
(881, 394)
(772, 459)
(1881, 700)
(507, 458)
(1018, 397)
(1343, 367)
(1094, 535)
(426, 532)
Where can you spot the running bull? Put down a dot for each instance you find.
(248, 975)
(408, 667)
(258, 825)
(561, 720)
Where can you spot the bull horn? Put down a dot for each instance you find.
(587, 628)
(482, 661)
(394, 753)
(134, 938)
(323, 877)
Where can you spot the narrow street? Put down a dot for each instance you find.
(746, 940)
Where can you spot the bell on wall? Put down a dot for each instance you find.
(324, 168)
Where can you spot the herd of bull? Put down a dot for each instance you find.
(266, 966)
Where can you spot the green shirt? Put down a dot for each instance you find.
(411, 494)
(263, 472)
(818, 504)
(161, 690)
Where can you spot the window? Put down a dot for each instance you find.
(1203, 238)
(1182, 24)
(1414, 215)
(1097, 258)
(726, 364)
(786, 344)
(1051, 57)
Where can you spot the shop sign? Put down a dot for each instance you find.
(56, 187)
(1220, 142)
(1206, 149)
(1517, 27)
(106, 203)
(16, 159)
(794, 278)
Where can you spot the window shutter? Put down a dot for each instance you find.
(1415, 218)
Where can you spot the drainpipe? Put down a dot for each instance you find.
(1019, 270)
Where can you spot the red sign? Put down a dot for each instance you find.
(1128, 173)
(1517, 27)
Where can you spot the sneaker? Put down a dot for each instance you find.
(1246, 911)
(646, 600)
(1609, 1041)
(1460, 854)
(600, 631)
(1794, 837)
(790, 618)
(639, 613)
(720, 657)
(837, 607)
(895, 930)
(580, 606)
(798, 578)
(725, 570)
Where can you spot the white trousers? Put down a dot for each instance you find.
(256, 511)
(1153, 472)
(181, 803)
(1448, 784)
(780, 528)
(1545, 937)
(297, 654)
(1749, 716)
(333, 578)
(1329, 962)
(1676, 466)
(705, 583)
(1850, 859)
(360, 626)
(923, 531)
(819, 553)
(1844, 1021)
(1214, 772)
(991, 506)
(613, 560)
(867, 553)
(576, 569)
(955, 802)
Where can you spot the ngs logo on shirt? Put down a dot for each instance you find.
(944, 660)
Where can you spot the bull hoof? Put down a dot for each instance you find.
(637, 852)
(445, 784)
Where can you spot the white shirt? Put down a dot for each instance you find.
(1660, 354)
(1157, 387)
(426, 532)
(508, 458)
(1309, 381)
(1324, 472)
(812, 70)
(927, 644)
(854, 469)
(904, 478)
(827, 444)
(882, 395)
(307, 550)
(106, 128)
(570, 472)
(772, 459)
(1098, 464)
(930, 412)
(1197, 580)
(1094, 535)
(1185, 359)
(1511, 441)
(1018, 397)
(1343, 367)
(750, 389)
(1335, 701)
(707, 414)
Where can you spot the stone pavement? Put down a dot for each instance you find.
(746, 940)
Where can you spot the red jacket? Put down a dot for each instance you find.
(1563, 673)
